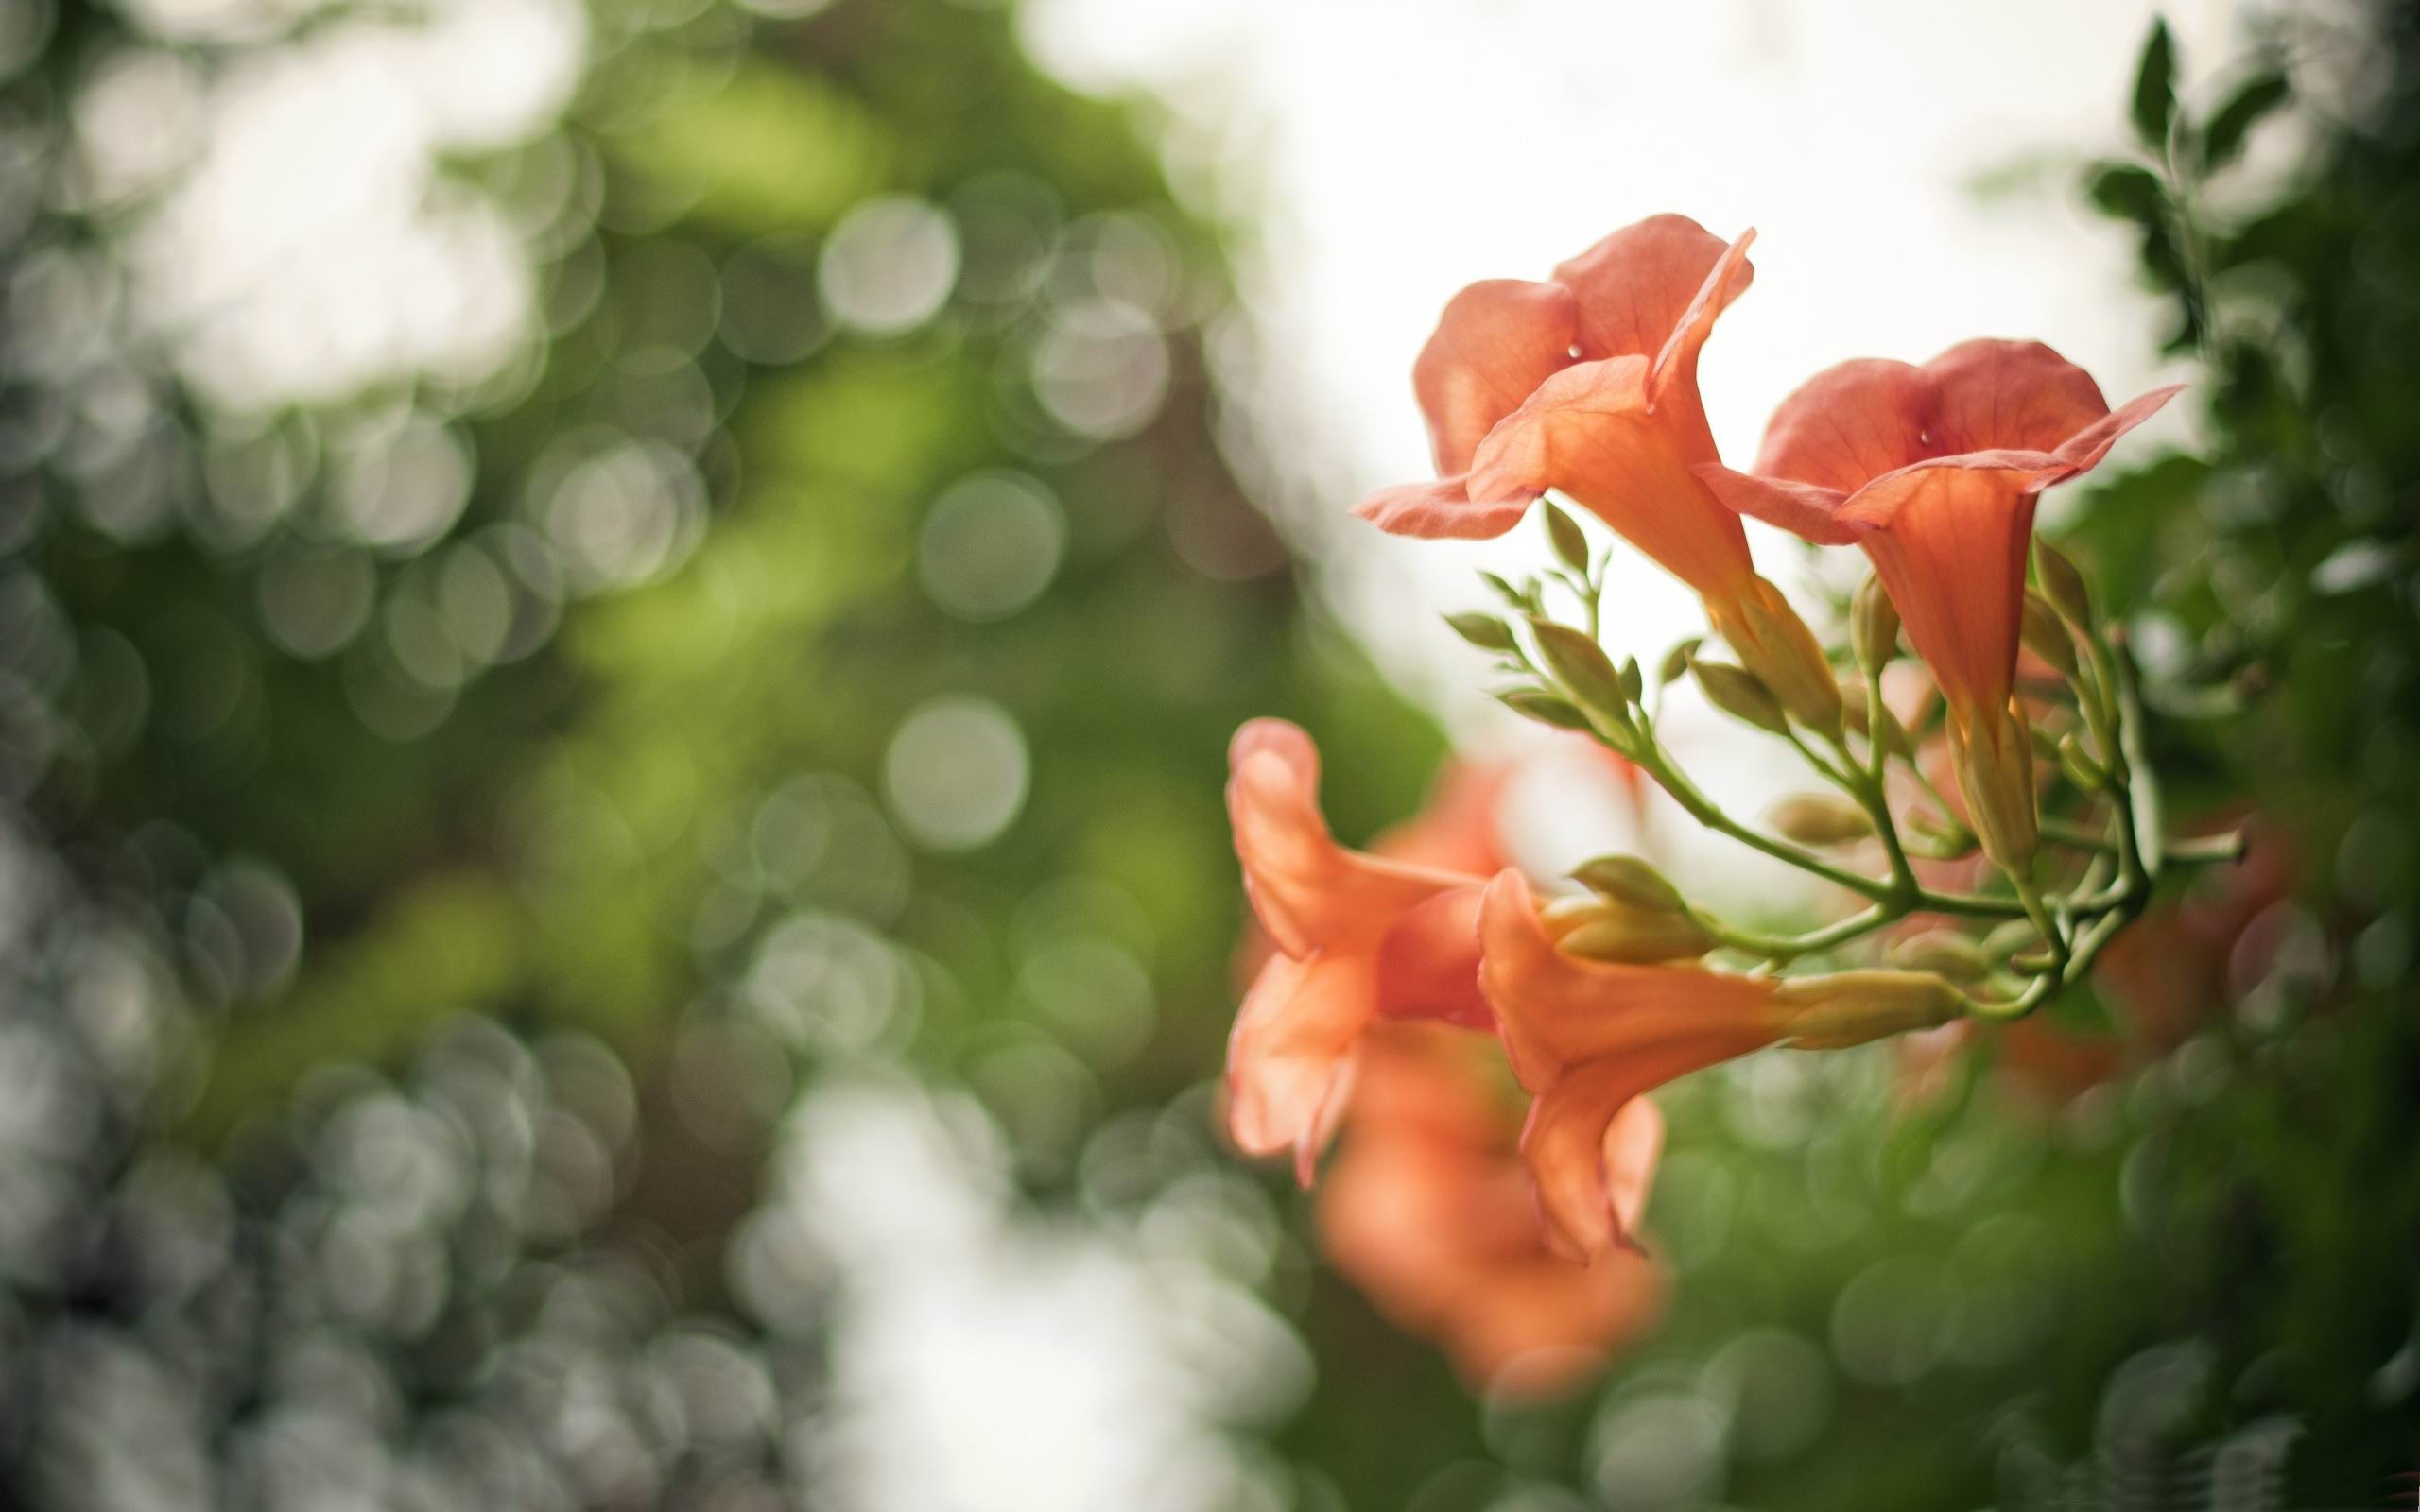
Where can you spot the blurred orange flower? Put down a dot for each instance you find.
(1587, 384)
(1428, 1211)
(1934, 470)
(1358, 936)
(1587, 1038)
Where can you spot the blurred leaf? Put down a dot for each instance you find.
(2231, 124)
(2155, 97)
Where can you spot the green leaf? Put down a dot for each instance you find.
(2063, 584)
(2129, 191)
(1570, 544)
(1485, 631)
(2155, 105)
(1534, 703)
(1676, 661)
(2228, 130)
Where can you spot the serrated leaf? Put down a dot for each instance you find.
(1546, 708)
(2229, 129)
(2154, 99)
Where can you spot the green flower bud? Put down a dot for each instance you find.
(2063, 585)
(1852, 1007)
(1570, 544)
(1579, 665)
(1485, 631)
(1737, 692)
(1629, 880)
(1819, 820)
(1603, 929)
(2045, 637)
(1534, 703)
(2081, 768)
(1944, 953)
(1874, 624)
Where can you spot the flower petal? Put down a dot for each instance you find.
(1557, 1011)
(1673, 385)
(1635, 285)
(1950, 543)
(1288, 1053)
(1849, 424)
(1588, 1203)
(1588, 431)
(2084, 451)
(1991, 395)
(1444, 511)
(1311, 893)
(1805, 510)
(1494, 343)
(1428, 963)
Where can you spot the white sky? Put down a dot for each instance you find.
(1385, 153)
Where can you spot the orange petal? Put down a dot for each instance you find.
(1311, 893)
(1589, 1206)
(1805, 510)
(1287, 1055)
(1635, 284)
(1991, 395)
(1557, 1011)
(1428, 963)
(1445, 510)
(1848, 426)
(1950, 543)
(1674, 384)
(1589, 431)
(1457, 829)
(2084, 451)
(1496, 341)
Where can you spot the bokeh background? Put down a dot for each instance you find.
(617, 625)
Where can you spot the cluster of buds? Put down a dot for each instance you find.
(2043, 841)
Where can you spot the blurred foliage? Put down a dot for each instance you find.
(453, 832)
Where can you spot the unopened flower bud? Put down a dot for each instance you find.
(2063, 585)
(1944, 953)
(1677, 660)
(1737, 692)
(1485, 631)
(1579, 665)
(2045, 637)
(1857, 711)
(1995, 766)
(1852, 1007)
(1602, 929)
(1874, 624)
(1533, 703)
(1819, 820)
(1570, 544)
(1629, 880)
(1775, 644)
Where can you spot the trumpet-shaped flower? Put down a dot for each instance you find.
(1934, 469)
(1589, 384)
(1588, 1038)
(1428, 1211)
(1358, 937)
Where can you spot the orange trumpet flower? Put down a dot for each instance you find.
(1589, 384)
(1358, 936)
(1934, 470)
(1588, 1038)
(1428, 1211)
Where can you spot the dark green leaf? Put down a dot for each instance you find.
(2233, 123)
(2155, 105)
